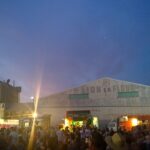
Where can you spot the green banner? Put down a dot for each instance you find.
(128, 94)
(78, 96)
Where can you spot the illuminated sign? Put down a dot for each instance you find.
(9, 122)
(78, 115)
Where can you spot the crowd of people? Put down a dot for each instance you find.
(76, 138)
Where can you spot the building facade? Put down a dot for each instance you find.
(105, 98)
(9, 93)
(10, 106)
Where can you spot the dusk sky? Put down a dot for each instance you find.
(66, 43)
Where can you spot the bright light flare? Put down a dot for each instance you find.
(34, 115)
(95, 121)
(32, 134)
(134, 122)
(38, 79)
(66, 122)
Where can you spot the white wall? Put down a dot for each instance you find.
(103, 100)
